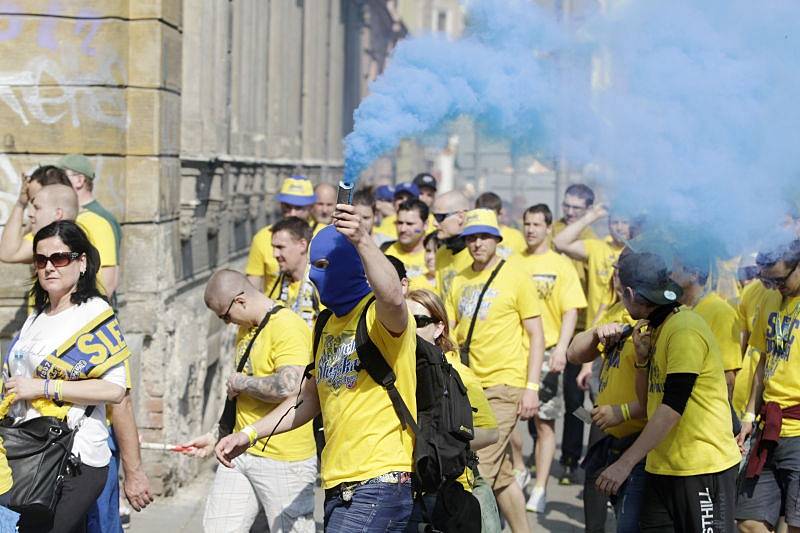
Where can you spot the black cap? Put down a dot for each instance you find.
(425, 180)
(648, 275)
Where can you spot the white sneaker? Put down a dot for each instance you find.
(523, 478)
(537, 501)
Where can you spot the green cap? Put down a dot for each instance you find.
(77, 163)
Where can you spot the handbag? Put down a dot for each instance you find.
(39, 453)
(464, 350)
(227, 420)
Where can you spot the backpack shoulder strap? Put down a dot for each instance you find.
(261, 326)
(319, 325)
(379, 370)
(386, 245)
(465, 348)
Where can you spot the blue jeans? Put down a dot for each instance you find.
(103, 516)
(376, 507)
(629, 501)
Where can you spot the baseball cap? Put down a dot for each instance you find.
(384, 193)
(648, 275)
(481, 221)
(77, 163)
(298, 191)
(425, 180)
(407, 188)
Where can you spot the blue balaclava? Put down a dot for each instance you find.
(343, 283)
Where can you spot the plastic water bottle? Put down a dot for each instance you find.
(18, 368)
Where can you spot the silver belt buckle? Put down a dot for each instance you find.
(347, 494)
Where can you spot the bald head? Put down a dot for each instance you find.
(52, 203)
(326, 201)
(224, 286)
(454, 205)
(451, 201)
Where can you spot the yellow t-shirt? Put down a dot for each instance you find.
(299, 296)
(558, 288)
(101, 235)
(284, 341)
(499, 346)
(618, 375)
(260, 261)
(513, 242)
(424, 282)
(749, 308)
(414, 262)
(386, 228)
(778, 324)
(6, 480)
(702, 441)
(448, 265)
(724, 322)
(482, 414)
(602, 254)
(363, 435)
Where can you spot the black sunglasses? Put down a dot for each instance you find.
(58, 259)
(424, 320)
(227, 317)
(777, 282)
(439, 217)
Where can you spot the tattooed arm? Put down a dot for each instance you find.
(274, 388)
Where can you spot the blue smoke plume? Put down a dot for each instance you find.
(685, 111)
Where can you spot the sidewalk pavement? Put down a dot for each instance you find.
(183, 512)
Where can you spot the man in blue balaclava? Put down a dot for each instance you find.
(367, 460)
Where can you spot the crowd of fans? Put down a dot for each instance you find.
(688, 365)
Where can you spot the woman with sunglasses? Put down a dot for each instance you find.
(72, 354)
(432, 326)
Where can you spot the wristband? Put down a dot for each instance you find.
(59, 395)
(532, 386)
(626, 411)
(252, 434)
(46, 389)
(749, 417)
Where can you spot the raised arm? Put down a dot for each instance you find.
(13, 247)
(568, 240)
(390, 306)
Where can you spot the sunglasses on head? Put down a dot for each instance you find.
(58, 259)
(424, 320)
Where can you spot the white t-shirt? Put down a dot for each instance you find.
(41, 335)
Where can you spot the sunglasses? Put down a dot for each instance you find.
(424, 320)
(439, 217)
(775, 283)
(226, 317)
(58, 259)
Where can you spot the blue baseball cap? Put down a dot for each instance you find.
(406, 188)
(384, 193)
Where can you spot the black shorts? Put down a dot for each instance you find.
(701, 504)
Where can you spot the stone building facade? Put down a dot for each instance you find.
(192, 111)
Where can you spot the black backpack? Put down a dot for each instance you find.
(443, 428)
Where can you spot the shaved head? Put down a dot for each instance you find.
(60, 197)
(224, 286)
(326, 201)
(325, 189)
(451, 201)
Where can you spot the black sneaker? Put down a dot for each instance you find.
(567, 476)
